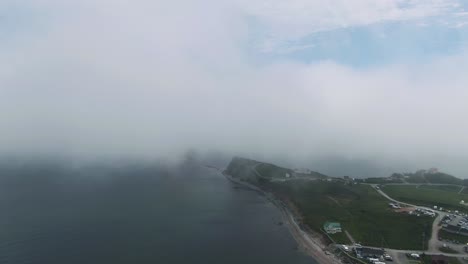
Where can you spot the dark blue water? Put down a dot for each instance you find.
(137, 215)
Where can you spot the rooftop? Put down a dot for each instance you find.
(332, 225)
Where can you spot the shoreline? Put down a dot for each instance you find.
(308, 242)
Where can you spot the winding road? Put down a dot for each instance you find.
(313, 248)
(434, 243)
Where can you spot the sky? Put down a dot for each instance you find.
(313, 83)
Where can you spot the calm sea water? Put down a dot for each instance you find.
(138, 215)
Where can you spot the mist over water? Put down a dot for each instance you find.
(151, 79)
(101, 101)
(136, 213)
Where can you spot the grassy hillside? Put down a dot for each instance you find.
(445, 196)
(443, 178)
(380, 180)
(363, 212)
(241, 168)
(360, 210)
(246, 169)
(272, 171)
(437, 178)
(448, 188)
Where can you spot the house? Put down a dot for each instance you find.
(365, 252)
(332, 227)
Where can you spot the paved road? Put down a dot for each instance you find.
(428, 252)
(458, 255)
(406, 183)
(396, 201)
(434, 243)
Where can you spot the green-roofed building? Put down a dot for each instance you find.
(332, 227)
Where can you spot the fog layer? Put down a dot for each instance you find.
(152, 79)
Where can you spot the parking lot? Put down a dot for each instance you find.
(455, 223)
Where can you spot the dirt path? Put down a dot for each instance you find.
(334, 200)
(461, 190)
(350, 237)
(434, 241)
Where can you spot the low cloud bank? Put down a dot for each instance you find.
(152, 80)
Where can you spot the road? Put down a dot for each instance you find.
(418, 184)
(428, 252)
(312, 247)
(461, 190)
(434, 243)
(396, 201)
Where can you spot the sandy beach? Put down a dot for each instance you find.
(308, 242)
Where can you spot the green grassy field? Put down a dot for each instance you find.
(272, 171)
(448, 250)
(360, 210)
(454, 260)
(448, 199)
(448, 188)
(465, 191)
(340, 238)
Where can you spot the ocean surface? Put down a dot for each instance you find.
(137, 214)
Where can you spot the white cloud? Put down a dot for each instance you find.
(145, 78)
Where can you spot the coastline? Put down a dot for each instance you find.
(308, 242)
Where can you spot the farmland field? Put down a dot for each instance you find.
(444, 196)
(363, 212)
(448, 188)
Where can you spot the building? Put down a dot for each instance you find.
(332, 227)
(461, 230)
(365, 252)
